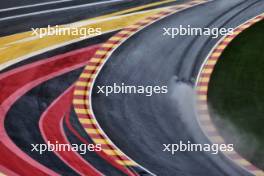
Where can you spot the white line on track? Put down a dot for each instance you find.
(60, 9)
(24, 57)
(84, 23)
(34, 5)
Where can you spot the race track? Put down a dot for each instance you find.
(49, 86)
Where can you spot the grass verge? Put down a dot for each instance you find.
(236, 94)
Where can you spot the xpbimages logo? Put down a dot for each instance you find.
(70, 31)
(131, 89)
(50, 147)
(190, 147)
(196, 31)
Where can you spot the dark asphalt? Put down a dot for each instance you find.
(139, 125)
(95, 160)
(16, 3)
(25, 23)
(26, 127)
(26, 113)
(39, 99)
(26, 131)
(34, 7)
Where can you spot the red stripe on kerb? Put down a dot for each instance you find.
(94, 136)
(88, 71)
(213, 58)
(165, 13)
(131, 29)
(153, 18)
(91, 63)
(81, 106)
(224, 43)
(143, 23)
(217, 50)
(103, 48)
(94, 64)
(81, 87)
(202, 84)
(121, 35)
(112, 42)
(99, 56)
(88, 80)
(231, 37)
(251, 167)
(106, 146)
(80, 97)
(206, 66)
(205, 75)
(84, 116)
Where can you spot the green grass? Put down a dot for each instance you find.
(236, 94)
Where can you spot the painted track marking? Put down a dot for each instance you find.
(21, 51)
(82, 93)
(10, 92)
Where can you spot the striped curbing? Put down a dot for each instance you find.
(202, 84)
(83, 88)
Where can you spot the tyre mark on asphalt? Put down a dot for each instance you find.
(84, 84)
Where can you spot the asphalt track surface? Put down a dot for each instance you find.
(139, 125)
(27, 131)
(21, 20)
(61, 50)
